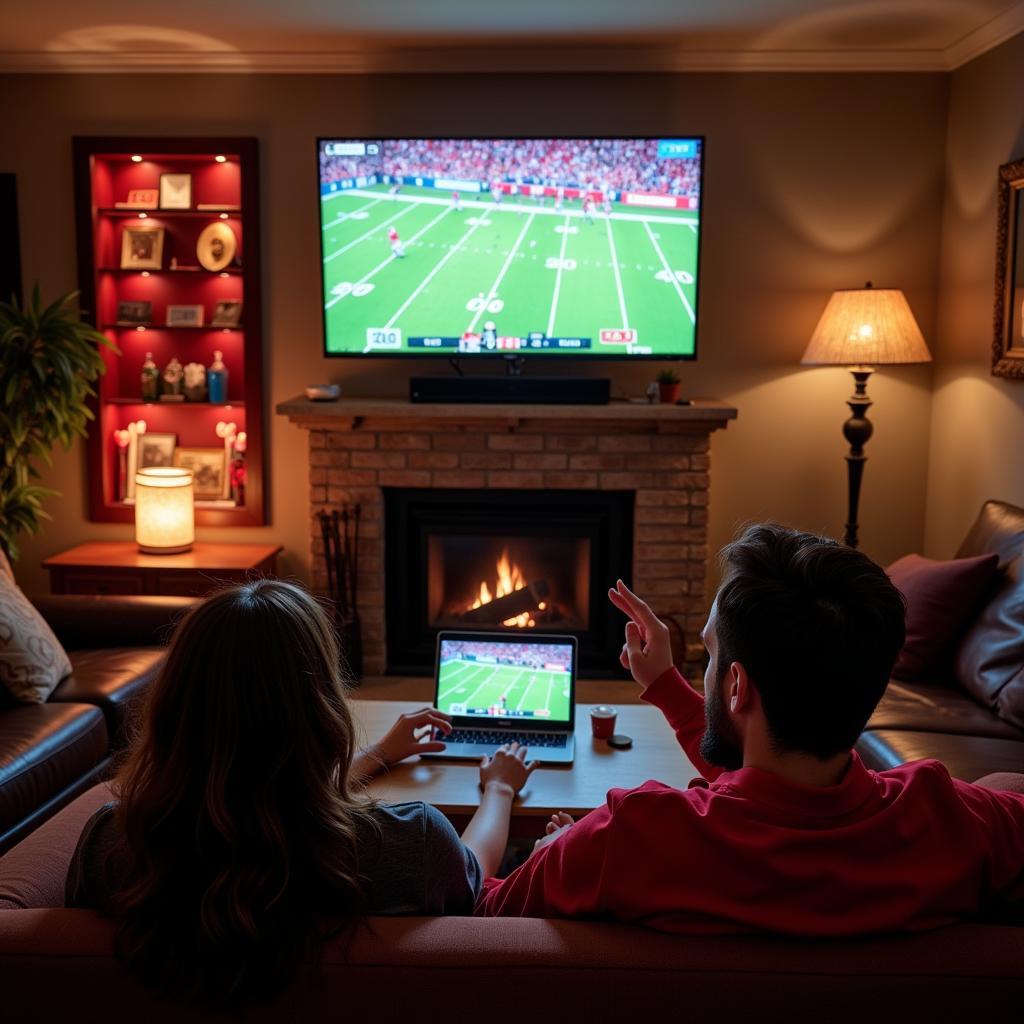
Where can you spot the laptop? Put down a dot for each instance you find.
(500, 688)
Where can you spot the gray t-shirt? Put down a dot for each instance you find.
(415, 865)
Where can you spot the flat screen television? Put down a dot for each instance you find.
(549, 247)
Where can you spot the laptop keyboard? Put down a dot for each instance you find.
(498, 738)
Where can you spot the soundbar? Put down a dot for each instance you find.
(511, 390)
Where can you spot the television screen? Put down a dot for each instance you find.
(553, 247)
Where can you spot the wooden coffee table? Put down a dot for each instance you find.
(453, 786)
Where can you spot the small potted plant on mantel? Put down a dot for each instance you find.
(668, 387)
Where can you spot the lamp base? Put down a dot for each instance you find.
(180, 549)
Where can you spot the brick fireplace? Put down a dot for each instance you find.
(360, 447)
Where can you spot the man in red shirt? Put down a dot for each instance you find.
(786, 831)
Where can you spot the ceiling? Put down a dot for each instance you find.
(313, 36)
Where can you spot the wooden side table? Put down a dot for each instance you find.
(118, 567)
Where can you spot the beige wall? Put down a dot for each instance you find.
(977, 449)
(814, 182)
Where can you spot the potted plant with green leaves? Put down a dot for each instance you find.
(49, 359)
(668, 386)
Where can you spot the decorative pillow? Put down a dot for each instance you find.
(942, 599)
(32, 661)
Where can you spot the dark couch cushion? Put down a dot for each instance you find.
(966, 757)
(44, 749)
(989, 662)
(114, 680)
(942, 599)
(927, 707)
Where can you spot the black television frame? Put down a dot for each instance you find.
(506, 356)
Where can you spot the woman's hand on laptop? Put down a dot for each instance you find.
(647, 652)
(411, 734)
(507, 769)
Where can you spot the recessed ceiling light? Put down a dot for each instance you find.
(143, 216)
(220, 158)
(223, 216)
(136, 159)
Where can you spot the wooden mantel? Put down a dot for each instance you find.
(710, 414)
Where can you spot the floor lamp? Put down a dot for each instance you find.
(862, 328)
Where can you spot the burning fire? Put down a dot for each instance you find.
(510, 579)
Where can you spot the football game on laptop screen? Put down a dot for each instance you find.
(517, 679)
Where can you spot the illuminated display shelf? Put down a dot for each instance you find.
(224, 176)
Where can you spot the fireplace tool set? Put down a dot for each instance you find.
(340, 533)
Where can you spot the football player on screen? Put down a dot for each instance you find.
(397, 249)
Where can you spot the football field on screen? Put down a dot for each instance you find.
(523, 265)
(482, 685)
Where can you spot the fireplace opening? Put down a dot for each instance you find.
(516, 582)
(504, 560)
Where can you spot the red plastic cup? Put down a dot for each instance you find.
(602, 721)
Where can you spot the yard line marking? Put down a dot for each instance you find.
(475, 670)
(547, 699)
(482, 685)
(380, 266)
(493, 293)
(618, 276)
(367, 234)
(544, 211)
(692, 227)
(346, 216)
(423, 284)
(558, 280)
(514, 682)
(672, 277)
(463, 667)
(522, 700)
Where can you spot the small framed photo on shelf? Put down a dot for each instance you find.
(130, 312)
(175, 191)
(210, 479)
(156, 449)
(142, 248)
(185, 316)
(140, 199)
(227, 313)
(216, 246)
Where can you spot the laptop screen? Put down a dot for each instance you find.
(527, 680)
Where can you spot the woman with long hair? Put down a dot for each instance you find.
(240, 839)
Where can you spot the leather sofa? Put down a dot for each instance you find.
(938, 717)
(51, 752)
(58, 964)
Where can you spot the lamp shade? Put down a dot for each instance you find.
(164, 510)
(867, 327)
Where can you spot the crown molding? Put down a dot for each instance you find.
(508, 59)
(986, 37)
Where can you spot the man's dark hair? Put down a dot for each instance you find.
(818, 627)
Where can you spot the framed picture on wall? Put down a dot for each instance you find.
(1008, 337)
(130, 311)
(142, 248)
(175, 191)
(209, 467)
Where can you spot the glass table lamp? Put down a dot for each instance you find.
(862, 328)
(164, 510)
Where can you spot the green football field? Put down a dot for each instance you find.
(523, 265)
(470, 684)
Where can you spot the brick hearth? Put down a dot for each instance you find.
(358, 446)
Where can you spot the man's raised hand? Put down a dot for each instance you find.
(647, 652)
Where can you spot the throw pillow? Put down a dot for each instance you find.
(942, 599)
(32, 661)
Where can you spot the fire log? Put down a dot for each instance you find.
(497, 611)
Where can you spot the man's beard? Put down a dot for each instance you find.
(719, 746)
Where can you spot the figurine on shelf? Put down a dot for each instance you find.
(238, 468)
(172, 381)
(122, 438)
(150, 379)
(217, 379)
(195, 382)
